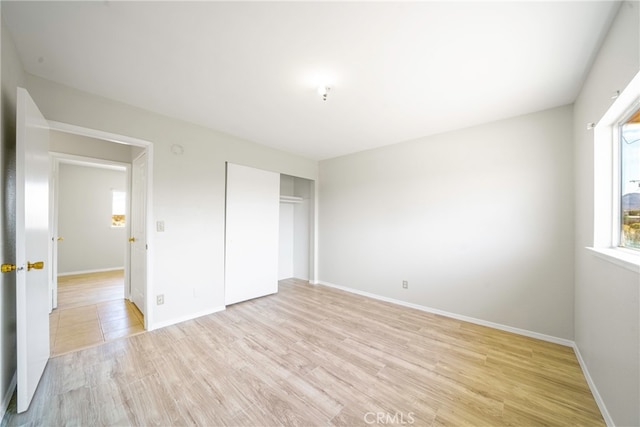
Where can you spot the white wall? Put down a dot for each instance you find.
(12, 75)
(478, 221)
(302, 225)
(84, 219)
(188, 191)
(607, 314)
(286, 185)
(285, 242)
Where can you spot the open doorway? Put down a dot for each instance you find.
(91, 242)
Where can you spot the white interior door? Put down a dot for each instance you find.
(138, 240)
(252, 222)
(32, 247)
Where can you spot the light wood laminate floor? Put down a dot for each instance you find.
(91, 310)
(316, 356)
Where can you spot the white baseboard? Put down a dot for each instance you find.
(158, 325)
(100, 270)
(7, 397)
(594, 389)
(525, 332)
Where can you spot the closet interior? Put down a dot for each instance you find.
(296, 210)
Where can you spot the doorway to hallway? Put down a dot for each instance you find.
(92, 310)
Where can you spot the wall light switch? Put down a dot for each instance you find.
(160, 226)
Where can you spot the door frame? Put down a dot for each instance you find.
(54, 186)
(147, 146)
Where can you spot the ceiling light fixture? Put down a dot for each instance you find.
(323, 91)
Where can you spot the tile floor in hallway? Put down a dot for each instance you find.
(81, 327)
(90, 321)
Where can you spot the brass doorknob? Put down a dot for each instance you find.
(35, 265)
(6, 268)
(60, 239)
(132, 239)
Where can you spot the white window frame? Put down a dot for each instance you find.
(606, 213)
(607, 186)
(618, 183)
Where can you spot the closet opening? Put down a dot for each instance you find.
(296, 225)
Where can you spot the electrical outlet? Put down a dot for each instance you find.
(160, 226)
(160, 299)
(405, 284)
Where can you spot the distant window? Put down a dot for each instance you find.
(629, 209)
(118, 209)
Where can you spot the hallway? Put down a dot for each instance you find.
(92, 310)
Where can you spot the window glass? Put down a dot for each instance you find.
(118, 209)
(630, 182)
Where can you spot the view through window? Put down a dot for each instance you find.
(630, 182)
(118, 209)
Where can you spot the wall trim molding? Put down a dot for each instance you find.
(6, 399)
(98, 134)
(594, 390)
(159, 325)
(524, 332)
(99, 270)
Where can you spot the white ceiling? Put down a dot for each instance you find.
(397, 71)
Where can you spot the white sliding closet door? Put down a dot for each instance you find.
(252, 221)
